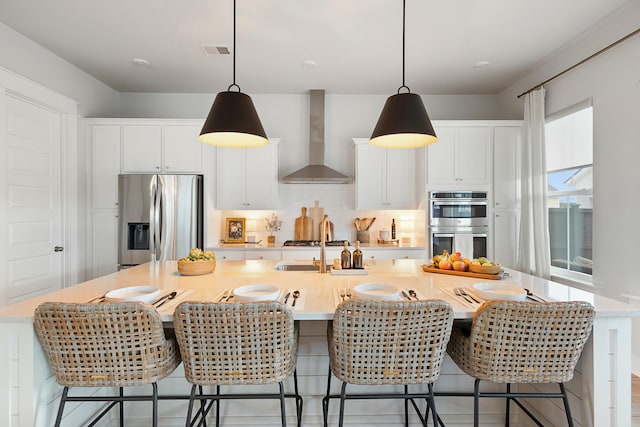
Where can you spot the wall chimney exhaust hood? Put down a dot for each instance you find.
(316, 172)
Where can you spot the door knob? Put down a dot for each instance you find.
(58, 249)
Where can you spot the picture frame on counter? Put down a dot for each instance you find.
(235, 230)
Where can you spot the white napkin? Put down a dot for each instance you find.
(460, 299)
(337, 297)
(170, 305)
(222, 297)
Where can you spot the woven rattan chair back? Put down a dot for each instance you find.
(93, 345)
(249, 343)
(389, 342)
(524, 342)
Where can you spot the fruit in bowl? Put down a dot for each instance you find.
(197, 262)
(483, 265)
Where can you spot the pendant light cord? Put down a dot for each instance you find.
(234, 50)
(403, 46)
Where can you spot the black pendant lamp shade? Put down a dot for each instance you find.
(404, 122)
(233, 120)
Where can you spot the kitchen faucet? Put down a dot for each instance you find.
(324, 228)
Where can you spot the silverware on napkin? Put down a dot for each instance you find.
(163, 299)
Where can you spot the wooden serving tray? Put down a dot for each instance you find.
(431, 269)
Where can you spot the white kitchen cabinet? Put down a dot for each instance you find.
(385, 178)
(155, 148)
(105, 165)
(506, 229)
(182, 152)
(247, 178)
(258, 254)
(141, 149)
(506, 194)
(229, 255)
(462, 155)
(104, 254)
(506, 167)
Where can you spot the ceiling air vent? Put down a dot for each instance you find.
(210, 49)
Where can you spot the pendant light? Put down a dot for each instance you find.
(233, 120)
(404, 122)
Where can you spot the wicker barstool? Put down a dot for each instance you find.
(105, 345)
(387, 342)
(517, 342)
(237, 344)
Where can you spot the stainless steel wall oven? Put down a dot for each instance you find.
(459, 221)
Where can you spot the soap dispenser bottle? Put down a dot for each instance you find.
(345, 257)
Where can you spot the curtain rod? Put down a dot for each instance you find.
(623, 39)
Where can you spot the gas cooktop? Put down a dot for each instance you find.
(313, 243)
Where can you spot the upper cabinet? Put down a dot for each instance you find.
(506, 167)
(161, 149)
(105, 165)
(247, 178)
(385, 178)
(462, 155)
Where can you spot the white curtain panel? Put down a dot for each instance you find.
(533, 249)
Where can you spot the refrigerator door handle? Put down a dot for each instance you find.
(154, 215)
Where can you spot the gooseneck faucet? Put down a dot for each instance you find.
(324, 228)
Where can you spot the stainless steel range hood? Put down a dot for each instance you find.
(316, 172)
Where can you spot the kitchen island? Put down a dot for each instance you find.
(600, 390)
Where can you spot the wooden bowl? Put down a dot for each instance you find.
(195, 268)
(486, 269)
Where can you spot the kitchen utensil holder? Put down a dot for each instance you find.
(362, 236)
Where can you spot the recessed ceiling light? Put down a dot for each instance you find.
(481, 64)
(140, 62)
(309, 64)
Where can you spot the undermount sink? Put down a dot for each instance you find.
(297, 267)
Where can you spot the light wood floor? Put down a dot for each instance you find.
(635, 398)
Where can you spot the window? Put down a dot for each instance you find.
(569, 153)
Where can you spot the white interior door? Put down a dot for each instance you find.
(33, 197)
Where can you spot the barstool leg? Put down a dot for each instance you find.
(432, 402)
(325, 400)
(299, 400)
(283, 412)
(190, 409)
(121, 407)
(217, 406)
(565, 399)
(406, 406)
(342, 395)
(155, 404)
(507, 409)
(63, 400)
(203, 406)
(476, 403)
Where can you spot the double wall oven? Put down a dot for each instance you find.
(459, 221)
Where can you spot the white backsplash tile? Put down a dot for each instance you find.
(338, 201)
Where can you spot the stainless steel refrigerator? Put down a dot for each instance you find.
(160, 217)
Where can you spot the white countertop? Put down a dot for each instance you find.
(318, 289)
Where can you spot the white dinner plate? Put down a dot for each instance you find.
(499, 291)
(257, 292)
(133, 293)
(376, 291)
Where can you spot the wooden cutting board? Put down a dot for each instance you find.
(431, 269)
(316, 214)
(303, 227)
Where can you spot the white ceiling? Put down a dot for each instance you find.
(356, 44)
